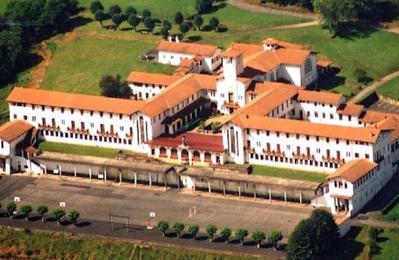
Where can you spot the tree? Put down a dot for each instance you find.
(214, 23)
(133, 21)
(333, 12)
(179, 18)
(184, 27)
(361, 75)
(178, 228)
(73, 216)
(163, 226)
(42, 210)
(241, 234)
(211, 230)
(149, 24)
(203, 6)
(11, 208)
(114, 9)
(100, 16)
(145, 13)
(193, 230)
(313, 237)
(96, 6)
(130, 10)
(117, 19)
(114, 87)
(258, 237)
(12, 52)
(374, 249)
(373, 233)
(167, 25)
(198, 21)
(225, 234)
(57, 214)
(25, 210)
(274, 237)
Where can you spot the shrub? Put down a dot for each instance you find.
(258, 237)
(211, 230)
(57, 214)
(373, 233)
(193, 230)
(96, 6)
(225, 234)
(241, 234)
(178, 228)
(25, 210)
(163, 226)
(274, 237)
(42, 210)
(114, 9)
(73, 216)
(11, 207)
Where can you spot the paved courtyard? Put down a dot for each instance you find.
(96, 201)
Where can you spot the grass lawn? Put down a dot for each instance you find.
(78, 149)
(392, 211)
(288, 173)
(371, 50)
(356, 247)
(78, 66)
(15, 244)
(390, 89)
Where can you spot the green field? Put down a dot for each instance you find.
(78, 149)
(390, 89)
(391, 213)
(288, 173)
(39, 245)
(78, 66)
(355, 245)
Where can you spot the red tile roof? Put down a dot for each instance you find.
(14, 129)
(363, 134)
(194, 141)
(151, 78)
(353, 170)
(320, 97)
(187, 48)
(350, 109)
(74, 101)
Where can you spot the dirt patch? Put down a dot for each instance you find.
(37, 74)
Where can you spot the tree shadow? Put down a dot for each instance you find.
(386, 11)
(194, 38)
(355, 30)
(215, 8)
(348, 247)
(206, 28)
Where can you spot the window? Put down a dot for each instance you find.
(92, 125)
(63, 121)
(2, 144)
(33, 119)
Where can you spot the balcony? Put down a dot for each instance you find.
(277, 153)
(303, 156)
(249, 149)
(333, 159)
(231, 105)
(129, 136)
(107, 134)
(78, 131)
(49, 127)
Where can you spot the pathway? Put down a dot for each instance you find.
(37, 74)
(262, 9)
(368, 90)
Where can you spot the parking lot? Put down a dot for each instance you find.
(97, 201)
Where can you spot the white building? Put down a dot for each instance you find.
(174, 52)
(266, 123)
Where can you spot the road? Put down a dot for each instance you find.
(368, 90)
(96, 201)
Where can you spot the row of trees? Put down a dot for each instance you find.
(25, 22)
(307, 4)
(134, 18)
(225, 234)
(114, 87)
(335, 13)
(57, 213)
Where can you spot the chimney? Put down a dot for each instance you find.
(177, 39)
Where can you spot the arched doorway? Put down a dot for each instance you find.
(173, 153)
(196, 156)
(208, 157)
(184, 154)
(162, 152)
